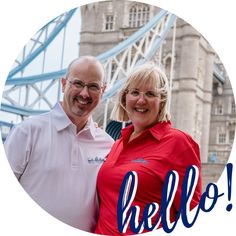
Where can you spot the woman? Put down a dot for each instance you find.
(150, 146)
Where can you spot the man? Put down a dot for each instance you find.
(56, 156)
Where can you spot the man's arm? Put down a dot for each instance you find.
(17, 148)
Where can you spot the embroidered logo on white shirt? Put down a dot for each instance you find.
(96, 160)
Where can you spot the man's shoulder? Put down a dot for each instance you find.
(29, 126)
(34, 121)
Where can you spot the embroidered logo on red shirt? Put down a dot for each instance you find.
(140, 160)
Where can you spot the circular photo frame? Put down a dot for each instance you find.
(122, 34)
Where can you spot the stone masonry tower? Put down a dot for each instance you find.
(192, 85)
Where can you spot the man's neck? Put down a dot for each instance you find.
(79, 123)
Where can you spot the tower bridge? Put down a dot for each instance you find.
(122, 35)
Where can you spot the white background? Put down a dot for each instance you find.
(19, 20)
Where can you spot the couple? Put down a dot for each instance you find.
(59, 157)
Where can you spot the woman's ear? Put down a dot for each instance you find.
(123, 99)
(162, 105)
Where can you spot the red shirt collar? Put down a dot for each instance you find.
(157, 131)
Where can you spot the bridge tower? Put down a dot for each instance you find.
(105, 24)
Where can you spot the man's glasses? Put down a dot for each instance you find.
(92, 87)
(149, 95)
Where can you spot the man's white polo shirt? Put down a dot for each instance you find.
(57, 166)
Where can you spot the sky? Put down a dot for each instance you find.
(53, 57)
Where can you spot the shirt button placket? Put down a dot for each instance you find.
(75, 154)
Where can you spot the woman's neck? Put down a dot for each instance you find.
(135, 134)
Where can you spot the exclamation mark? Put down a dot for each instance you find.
(229, 180)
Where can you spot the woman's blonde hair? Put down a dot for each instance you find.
(146, 73)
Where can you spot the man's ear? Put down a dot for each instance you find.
(104, 87)
(63, 84)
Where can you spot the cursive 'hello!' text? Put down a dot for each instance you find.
(129, 215)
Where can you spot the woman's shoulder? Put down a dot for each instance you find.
(181, 137)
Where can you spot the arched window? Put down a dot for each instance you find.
(233, 108)
(138, 15)
(231, 135)
(219, 109)
(222, 138)
(109, 22)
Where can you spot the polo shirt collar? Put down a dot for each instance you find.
(126, 132)
(61, 121)
(59, 117)
(157, 131)
(90, 128)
